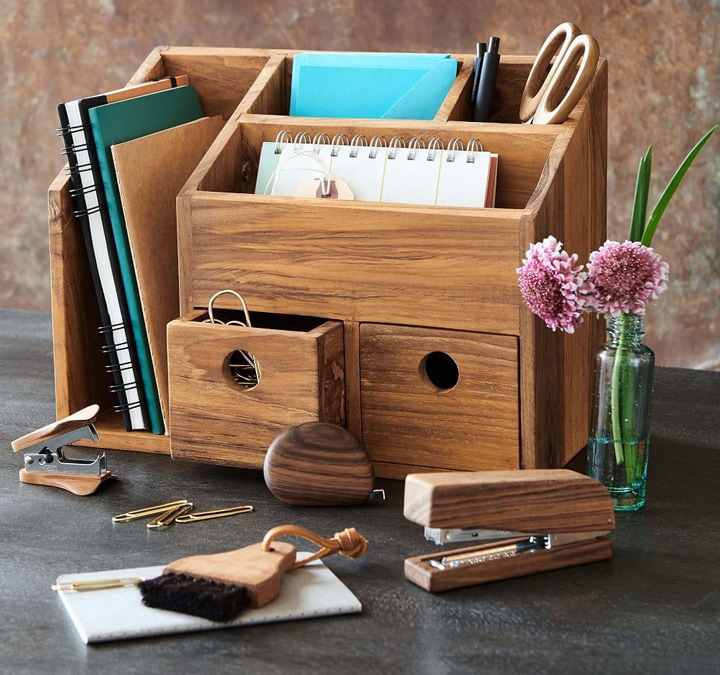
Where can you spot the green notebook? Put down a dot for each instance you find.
(117, 123)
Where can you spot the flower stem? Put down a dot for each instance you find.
(622, 402)
(615, 396)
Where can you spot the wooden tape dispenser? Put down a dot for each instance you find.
(521, 522)
(45, 459)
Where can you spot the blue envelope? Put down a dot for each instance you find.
(370, 85)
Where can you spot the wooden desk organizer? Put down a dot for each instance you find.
(444, 366)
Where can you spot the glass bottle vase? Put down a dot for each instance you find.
(620, 412)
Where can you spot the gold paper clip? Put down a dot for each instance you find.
(170, 516)
(149, 511)
(217, 513)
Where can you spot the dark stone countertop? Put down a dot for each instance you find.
(653, 608)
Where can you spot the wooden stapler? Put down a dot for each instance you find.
(45, 459)
(522, 522)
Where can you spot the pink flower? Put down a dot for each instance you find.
(553, 285)
(625, 277)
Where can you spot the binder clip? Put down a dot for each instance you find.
(522, 522)
(45, 459)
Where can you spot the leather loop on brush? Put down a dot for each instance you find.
(349, 542)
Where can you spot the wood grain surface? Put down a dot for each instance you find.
(214, 419)
(78, 484)
(408, 421)
(540, 500)
(318, 464)
(77, 420)
(260, 572)
(420, 572)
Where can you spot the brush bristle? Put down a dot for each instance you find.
(196, 596)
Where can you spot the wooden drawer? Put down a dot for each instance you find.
(438, 399)
(215, 419)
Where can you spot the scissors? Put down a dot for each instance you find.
(549, 99)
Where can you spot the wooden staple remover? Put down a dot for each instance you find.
(45, 459)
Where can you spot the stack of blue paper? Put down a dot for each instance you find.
(370, 85)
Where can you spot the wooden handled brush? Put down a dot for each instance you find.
(219, 586)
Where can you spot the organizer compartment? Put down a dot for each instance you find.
(277, 81)
(216, 419)
(224, 79)
(363, 261)
(523, 149)
(438, 399)
(512, 75)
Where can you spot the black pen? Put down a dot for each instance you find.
(488, 75)
(477, 67)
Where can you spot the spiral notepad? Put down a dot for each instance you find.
(379, 170)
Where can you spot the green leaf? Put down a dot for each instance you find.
(670, 189)
(642, 190)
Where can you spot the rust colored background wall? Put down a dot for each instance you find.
(664, 90)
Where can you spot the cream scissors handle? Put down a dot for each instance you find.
(550, 99)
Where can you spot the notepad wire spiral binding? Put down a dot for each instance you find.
(86, 196)
(413, 171)
(339, 140)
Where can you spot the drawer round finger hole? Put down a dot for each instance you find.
(439, 371)
(242, 368)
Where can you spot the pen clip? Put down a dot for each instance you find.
(216, 513)
(481, 48)
(148, 511)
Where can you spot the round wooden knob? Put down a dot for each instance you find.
(318, 464)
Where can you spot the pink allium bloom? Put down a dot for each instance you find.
(553, 285)
(625, 277)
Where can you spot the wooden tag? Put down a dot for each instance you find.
(339, 189)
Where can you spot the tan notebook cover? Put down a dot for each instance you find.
(151, 171)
